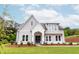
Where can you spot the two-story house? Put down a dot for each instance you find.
(39, 33)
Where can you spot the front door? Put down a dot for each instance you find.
(37, 39)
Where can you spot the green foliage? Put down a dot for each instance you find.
(28, 43)
(46, 43)
(4, 41)
(2, 32)
(70, 32)
(70, 43)
(11, 42)
(78, 43)
(10, 34)
(11, 37)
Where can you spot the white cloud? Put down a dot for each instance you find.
(21, 5)
(43, 15)
(76, 7)
(71, 21)
(39, 6)
(30, 7)
(46, 15)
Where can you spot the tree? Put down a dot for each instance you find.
(6, 33)
(66, 31)
(69, 32)
(11, 33)
(2, 32)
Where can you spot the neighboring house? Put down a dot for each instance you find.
(39, 33)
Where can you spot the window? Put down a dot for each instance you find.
(23, 37)
(49, 38)
(26, 37)
(56, 38)
(46, 38)
(59, 38)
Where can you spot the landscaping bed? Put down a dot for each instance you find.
(61, 45)
(24, 45)
(32, 45)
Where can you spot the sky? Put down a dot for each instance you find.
(65, 14)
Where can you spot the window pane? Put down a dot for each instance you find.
(59, 38)
(49, 38)
(56, 38)
(26, 37)
(23, 37)
(46, 38)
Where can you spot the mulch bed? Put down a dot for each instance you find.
(60, 45)
(25, 45)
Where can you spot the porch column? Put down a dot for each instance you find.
(42, 40)
(33, 41)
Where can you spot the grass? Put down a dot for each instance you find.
(39, 50)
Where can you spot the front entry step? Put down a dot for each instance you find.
(38, 45)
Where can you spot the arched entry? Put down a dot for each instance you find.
(38, 36)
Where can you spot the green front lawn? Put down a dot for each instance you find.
(39, 50)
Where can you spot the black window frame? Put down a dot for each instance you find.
(46, 38)
(49, 38)
(56, 38)
(26, 37)
(59, 38)
(23, 38)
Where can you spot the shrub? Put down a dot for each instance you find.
(78, 43)
(28, 43)
(12, 37)
(12, 42)
(8, 38)
(51, 43)
(0, 43)
(15, 43)
(21, 43)
(45, 43)
(32, 43)
(64, 43)
(70, 43)
(4, 41)
(58, 43)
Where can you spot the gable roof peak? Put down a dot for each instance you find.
(32, 15)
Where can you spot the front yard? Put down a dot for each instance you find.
(39, 50)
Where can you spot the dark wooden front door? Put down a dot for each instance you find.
(37, 39)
